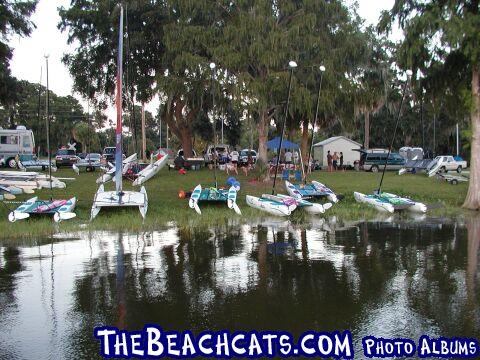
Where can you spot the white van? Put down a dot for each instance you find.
(19, 141)
(221, 149)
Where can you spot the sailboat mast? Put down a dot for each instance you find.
(47, 100)
(310, 149)
(399, 112)
(292, 65)
(118, 145)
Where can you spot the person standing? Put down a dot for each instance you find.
(288, 158)
(234, 158)
(249, 165)
(341, 161)
(329, 161)
(335, 161)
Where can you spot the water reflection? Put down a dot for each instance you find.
(393, 277)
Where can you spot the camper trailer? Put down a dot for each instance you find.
(13, 142)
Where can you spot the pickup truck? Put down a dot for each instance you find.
(449, 163)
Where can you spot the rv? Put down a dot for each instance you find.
(13, 142)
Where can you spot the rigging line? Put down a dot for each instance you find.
(394, 132)
(129, 82)
(283, 129)
(322, 69)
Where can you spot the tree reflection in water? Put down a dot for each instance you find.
(388, 278)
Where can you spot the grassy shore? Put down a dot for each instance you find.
(165, 206)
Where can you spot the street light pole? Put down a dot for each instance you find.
(212, 67)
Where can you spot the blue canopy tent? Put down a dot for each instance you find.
(273, 144)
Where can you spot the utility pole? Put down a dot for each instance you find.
(38, 111)
(458, 141)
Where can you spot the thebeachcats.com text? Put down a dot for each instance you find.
(154, 342)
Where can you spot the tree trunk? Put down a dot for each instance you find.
(291, 130)
(181, 125)
(263, 136)
(472, 201)
(366, 143)
(186, 139)
(11, 118)
(304, 146)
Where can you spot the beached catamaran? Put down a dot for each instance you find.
(213, 194)
(313, 189)
(60, 209)
(388, 202)
(119, 197)
(279, 204)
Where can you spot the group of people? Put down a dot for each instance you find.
(335, 161)
(232, 162)
(287, 159)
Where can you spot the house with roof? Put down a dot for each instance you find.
(349, 147)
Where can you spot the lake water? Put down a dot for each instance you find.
(390, 278)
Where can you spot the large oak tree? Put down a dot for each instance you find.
(439, 31)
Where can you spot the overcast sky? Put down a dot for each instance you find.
(28, 56)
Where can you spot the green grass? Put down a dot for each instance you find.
(165, 206)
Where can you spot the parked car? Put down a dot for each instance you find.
(410, 153)
(376, 161)
(108, 153)
(180, 153)
(449, 163)
(220, 148)
(93, 157)
(243, 158)
(65, 157)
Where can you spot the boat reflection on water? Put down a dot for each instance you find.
(120, 282)
(393, 277)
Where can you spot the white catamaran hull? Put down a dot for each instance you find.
(310, 207)
(294, 192)
(377, 204)
(437, 165)
(269, 206)
(415, 206)
(113, 199)
(150, 171)
(331, 195)
(111, 173)
(404, 203)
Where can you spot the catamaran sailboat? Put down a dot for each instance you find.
(119, 197)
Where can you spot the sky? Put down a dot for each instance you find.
(28, 60)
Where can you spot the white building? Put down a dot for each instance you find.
(338, 144)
